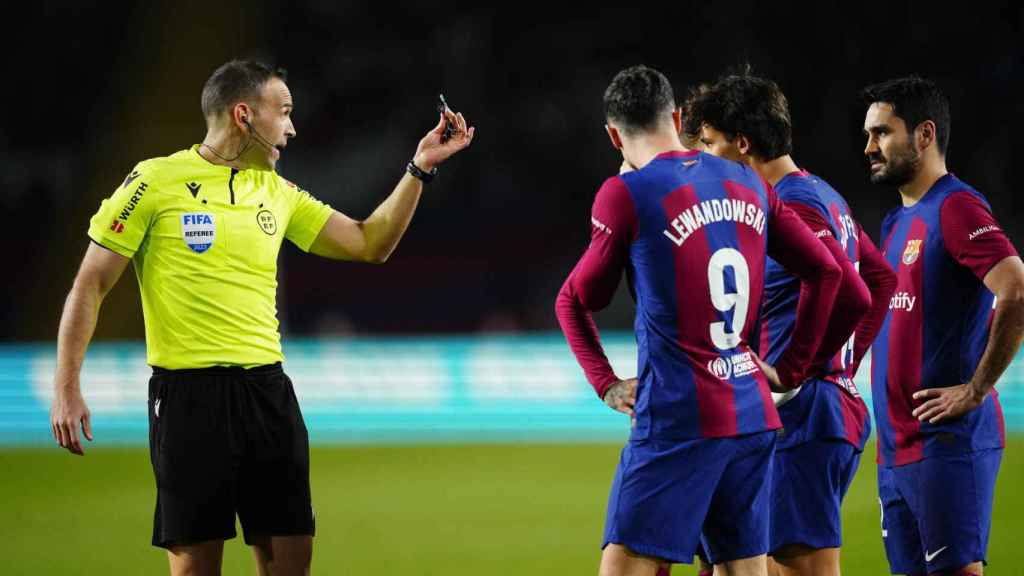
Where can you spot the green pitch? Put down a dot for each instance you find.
(491, 509)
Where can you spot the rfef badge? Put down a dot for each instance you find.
(267, 222)
(199, 230)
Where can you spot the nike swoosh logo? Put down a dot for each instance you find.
(929, 557)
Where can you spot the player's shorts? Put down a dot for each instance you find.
(669, 496)
(808, 486)
(224, 441)
(937, 512)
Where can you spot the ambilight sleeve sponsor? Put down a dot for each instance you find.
(971, 234)
(123, 219)
(307, 218)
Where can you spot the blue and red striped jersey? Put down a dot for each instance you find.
(819, 410)
(692, 232)
(938, 321)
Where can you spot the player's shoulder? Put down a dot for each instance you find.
(614, 200)
(722, 166)
(801, 187)
(618, 185)
(815, 190)
(708, 167)
(952, 189)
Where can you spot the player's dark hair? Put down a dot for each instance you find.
(914, 99)
(236, 81)
(691, 123)
(745, 104)
(637, 97)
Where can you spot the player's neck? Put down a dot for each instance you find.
(774, 170)
(912, 192)
(642, 149)
(224, 150)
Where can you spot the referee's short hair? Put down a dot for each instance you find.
(638, 98)
(236, 81)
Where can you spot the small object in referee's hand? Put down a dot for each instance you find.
(449, 128)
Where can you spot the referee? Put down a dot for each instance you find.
(204, 227)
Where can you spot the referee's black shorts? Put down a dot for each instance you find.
(226, 441)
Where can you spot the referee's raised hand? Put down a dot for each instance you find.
(432, 151)
(67, 413)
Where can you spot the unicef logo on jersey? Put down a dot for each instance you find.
(199, 230)
(720, 367)
(734, 366)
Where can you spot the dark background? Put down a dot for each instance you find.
(90, 92)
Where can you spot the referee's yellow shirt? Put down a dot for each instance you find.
(204, 240)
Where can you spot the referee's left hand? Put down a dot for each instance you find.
(431, 152)
(946, 403)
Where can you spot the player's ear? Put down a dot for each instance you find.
(677, 119)
(613, 134)
(742, 144)
(925, 134)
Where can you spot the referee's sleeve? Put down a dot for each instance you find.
(307, 219)
(123, 219)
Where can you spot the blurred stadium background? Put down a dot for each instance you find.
(453, 431)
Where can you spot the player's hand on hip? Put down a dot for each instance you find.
(946, 403)
(770, 374)
(621, 396)
(67, 413)
(431, 151)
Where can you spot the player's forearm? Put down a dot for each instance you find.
(852, 302)
(1005, 339)
(580, 332)
(793, 245)
(816, 299)
(77, 324)
(384, 228)
(881, 282)
(820, 277)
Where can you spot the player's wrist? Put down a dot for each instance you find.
(608, 386)
(66, 384)
(976, 391)
(424, 161)
(420, 169)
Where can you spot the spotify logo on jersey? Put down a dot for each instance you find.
(267, 222)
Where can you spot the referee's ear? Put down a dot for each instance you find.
(241, 115)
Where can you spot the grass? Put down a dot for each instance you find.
(451, 509)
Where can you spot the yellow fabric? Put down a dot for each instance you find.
(204, 241)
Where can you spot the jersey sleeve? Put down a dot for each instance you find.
(592, 283)
(971, 234)
(791, 244)
(307, 218)
(852, 300)
(881, 281)
(123, 219)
